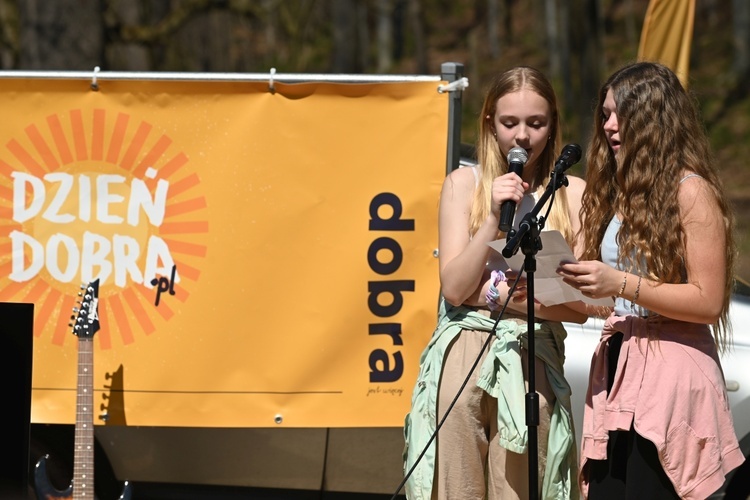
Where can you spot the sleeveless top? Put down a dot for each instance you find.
(610, 251)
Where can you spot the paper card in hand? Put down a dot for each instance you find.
(549, 288)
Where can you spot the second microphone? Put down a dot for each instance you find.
(517, 158)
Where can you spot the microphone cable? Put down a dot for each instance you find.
(463, 385)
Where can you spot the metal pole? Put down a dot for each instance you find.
(451, 72)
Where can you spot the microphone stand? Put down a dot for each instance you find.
(528, 238)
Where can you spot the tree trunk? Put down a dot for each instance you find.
(270, 30)
(493, 22)
(344, 18)
(9, 26)
(741, 27)
(553, 38)
(60, 35)
(565, 59)
(127, 56)
(363, 37)
(631, 34)
(418, 32)
(587, 44)
(384, 31)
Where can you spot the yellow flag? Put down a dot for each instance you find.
(667, 34)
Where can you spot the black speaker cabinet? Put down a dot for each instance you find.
(16, 335)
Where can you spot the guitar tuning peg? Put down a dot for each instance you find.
(103, 407)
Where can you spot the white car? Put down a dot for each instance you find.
(582, 339)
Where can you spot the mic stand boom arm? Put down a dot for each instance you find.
(528, 238)
(515, 237)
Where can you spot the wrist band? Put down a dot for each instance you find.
(493, 294)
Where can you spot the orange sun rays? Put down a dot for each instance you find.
(130, 149)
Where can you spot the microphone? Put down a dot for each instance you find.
(517, 158)
(569, 157)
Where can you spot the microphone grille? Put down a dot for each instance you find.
(517, 154)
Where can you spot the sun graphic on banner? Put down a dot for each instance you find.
(101, 196)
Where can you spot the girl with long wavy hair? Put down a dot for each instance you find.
(657, 236)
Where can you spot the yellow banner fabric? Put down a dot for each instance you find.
(266, 259)
(667, 35)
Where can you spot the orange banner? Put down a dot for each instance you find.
(265, 259)
(667, 35)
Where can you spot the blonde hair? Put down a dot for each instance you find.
(493, 164)
(661, 136)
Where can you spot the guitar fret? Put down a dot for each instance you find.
(83, 470)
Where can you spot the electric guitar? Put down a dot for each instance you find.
(85, 325)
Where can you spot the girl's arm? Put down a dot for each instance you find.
(700, 300)
(463, 258)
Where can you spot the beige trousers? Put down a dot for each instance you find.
(470, 463)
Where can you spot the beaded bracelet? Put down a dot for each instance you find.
(493, 294)
(622, 288)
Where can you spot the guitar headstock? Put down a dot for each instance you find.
(86, 320)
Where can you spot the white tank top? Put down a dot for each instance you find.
(610, 251)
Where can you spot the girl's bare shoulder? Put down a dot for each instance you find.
(576, 184)
(464, 179)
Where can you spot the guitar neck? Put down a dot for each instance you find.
(83, 459)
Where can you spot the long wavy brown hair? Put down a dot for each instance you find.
(662, 136)
(492, 163)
